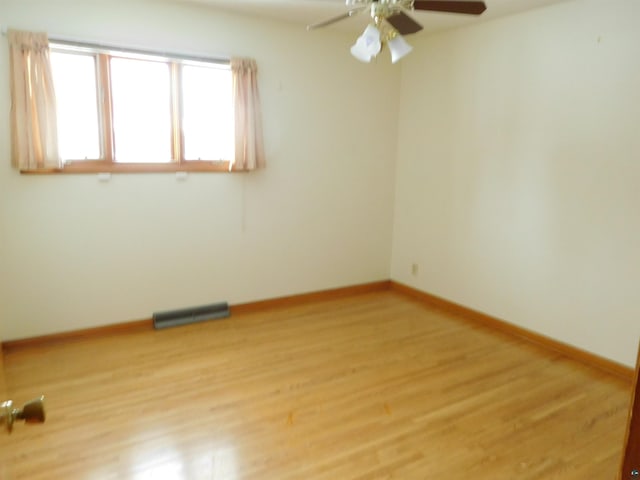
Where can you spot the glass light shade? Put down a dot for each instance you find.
(398, 48)
(368, 44)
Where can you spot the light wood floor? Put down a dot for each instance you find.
(374, 386)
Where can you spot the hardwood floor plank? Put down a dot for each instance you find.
(370, 386)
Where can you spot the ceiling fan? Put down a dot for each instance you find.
(390, 22)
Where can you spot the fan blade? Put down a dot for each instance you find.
(403, 23)
(452, 6)
(348, 14)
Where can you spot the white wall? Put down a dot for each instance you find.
(518, 180)
(76, 253)
(516, 184)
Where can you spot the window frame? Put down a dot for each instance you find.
(107, 163)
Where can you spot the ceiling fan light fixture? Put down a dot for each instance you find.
(390, 23)
(398, 47)
(368, 44)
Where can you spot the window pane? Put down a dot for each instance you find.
(141, 110)
(207, 113)
(74, 79)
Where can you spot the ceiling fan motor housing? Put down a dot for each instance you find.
(382, 8)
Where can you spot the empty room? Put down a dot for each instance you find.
(318, 239)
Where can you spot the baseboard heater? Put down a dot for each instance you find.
(184, 316)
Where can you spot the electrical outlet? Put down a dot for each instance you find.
(414, 269)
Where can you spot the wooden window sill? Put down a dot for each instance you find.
(102, 167)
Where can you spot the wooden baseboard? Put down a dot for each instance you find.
(569, 351)
(142, 325)
(323, 295)
(466, 313)
(62, 337)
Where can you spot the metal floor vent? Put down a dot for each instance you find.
(184, 316)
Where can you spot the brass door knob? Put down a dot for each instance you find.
(31, 412)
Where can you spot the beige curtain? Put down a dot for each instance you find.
(249, 145)
(34, 138)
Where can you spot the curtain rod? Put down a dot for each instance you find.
(141, 51)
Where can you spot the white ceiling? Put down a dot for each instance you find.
(304, 12)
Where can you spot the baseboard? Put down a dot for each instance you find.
(569, 351)
(147, 324)
(322, 295)
(62, 337)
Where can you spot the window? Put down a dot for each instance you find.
(127, 111)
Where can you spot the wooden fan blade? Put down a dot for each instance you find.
(324, 23)
(403, 23)
(452, 6)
